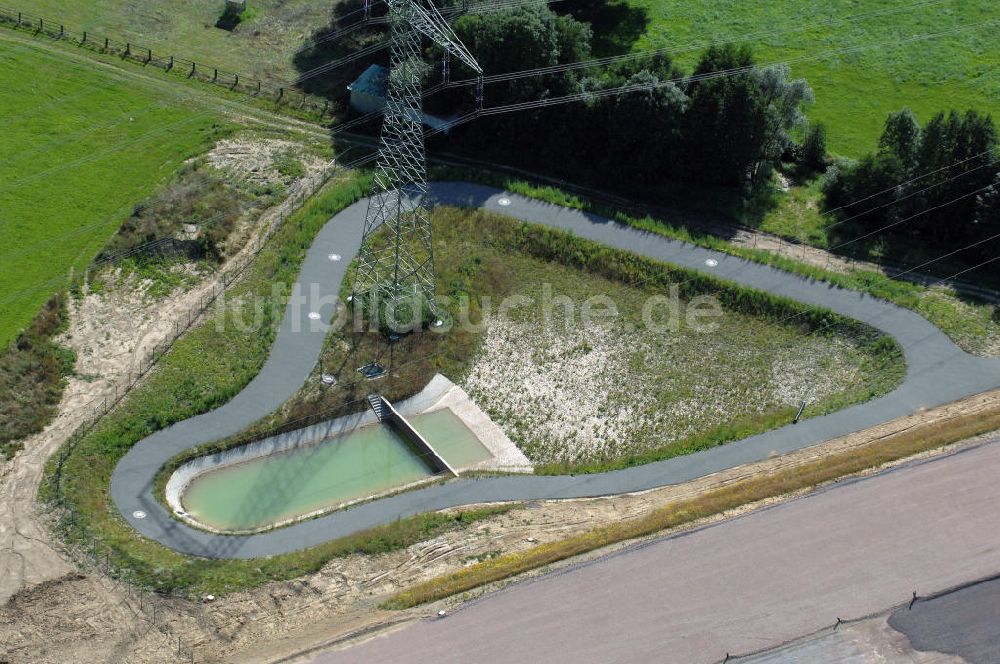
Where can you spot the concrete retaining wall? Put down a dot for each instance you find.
(436, 461)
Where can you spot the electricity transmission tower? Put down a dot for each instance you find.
(398, 265)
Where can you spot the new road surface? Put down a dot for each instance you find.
(938, 372)
(751, 583)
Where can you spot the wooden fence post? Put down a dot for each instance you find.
(107, 43)
(193, 65)
(236, 81)
(84, 37)
(171, 65)
(215, 77)
(128, 49)
(149, 55)
(281, 93)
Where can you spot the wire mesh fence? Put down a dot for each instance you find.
(303, 102)
(837, 624)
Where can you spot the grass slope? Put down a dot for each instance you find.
(261, 46)
(973, 325)
(854, 92)
(204, 369)
(80, 147)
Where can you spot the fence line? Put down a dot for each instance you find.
(127, 50)
(909, 602)
(97, 556)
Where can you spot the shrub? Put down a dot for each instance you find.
(814, 147)
(31, 376)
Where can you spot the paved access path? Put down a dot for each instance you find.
(938, 372)
(747, 584)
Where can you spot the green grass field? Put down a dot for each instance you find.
(80, 146)
(260, 47)
(854, 92)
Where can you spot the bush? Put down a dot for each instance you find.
(31, 377)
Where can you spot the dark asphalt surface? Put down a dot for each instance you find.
(748, 584)
(938, 372)
(964, 623)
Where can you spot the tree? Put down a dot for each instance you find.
(644, 129)
(814, 147)
(925, 182)
(987, 220)
(781, 100)
(523, 37)
(864, 191)
(738, 126)
(901, 136)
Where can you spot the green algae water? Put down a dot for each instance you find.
(450, 438)
(354, 465)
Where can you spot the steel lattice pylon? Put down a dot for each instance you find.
(401, 265)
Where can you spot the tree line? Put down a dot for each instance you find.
(936, 184)
(726, 131)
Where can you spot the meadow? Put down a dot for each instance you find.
(854, 91)
(81, 146)
(261, 46)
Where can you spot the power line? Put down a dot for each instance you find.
(451, 12)
(696, 45)
(910, 218)
(912, 194)
(735, 71)
(911, 181)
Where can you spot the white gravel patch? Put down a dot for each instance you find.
(599, 391)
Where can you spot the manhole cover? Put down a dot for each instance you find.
(139, 514)
(711, 262)
(313, 315)
(504, 202)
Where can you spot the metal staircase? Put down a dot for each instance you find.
(375, 401)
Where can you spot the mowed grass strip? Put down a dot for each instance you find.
(855, 91)
(906, 443)
(79, 147)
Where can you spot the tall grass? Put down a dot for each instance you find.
(32, 373)
(969, 325)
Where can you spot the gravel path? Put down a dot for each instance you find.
(938, 373)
